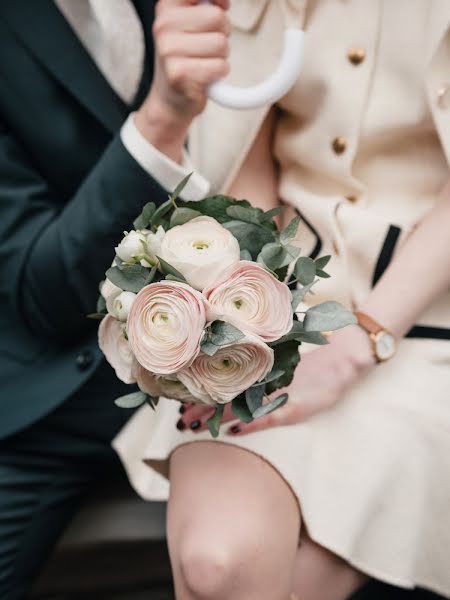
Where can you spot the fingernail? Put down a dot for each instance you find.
(195, 425)
(181, 426)
(235, 429)
(182, 409)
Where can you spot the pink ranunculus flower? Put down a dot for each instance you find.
(253, 300)
(232, 370)
(199, 250)
(115, 347)
(166, 325)
(168, 386)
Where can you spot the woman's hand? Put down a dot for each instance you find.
(191, 47)
(321, 379)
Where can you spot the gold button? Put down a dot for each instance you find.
(356, 56)
(339, 145)
(443, 96)
(352, 199)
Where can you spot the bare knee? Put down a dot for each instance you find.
(206, 568)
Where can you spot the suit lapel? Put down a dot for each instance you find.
(44, 31)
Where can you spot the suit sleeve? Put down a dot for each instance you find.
(51, 261)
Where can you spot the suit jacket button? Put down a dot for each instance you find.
(84, 360)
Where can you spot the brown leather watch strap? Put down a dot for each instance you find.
(367, 323)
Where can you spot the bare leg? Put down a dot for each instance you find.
(233, 525)
(321, 575)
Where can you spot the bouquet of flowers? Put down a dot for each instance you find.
(200, 306)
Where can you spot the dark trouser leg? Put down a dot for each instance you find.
(44, 473)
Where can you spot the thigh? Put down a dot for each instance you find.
(230, 510)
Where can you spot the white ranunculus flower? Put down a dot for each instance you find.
(133, 244)
(109, 291)
(166, 325)
(121, 305)
(231, 371)
(154, 240)
(253, 300)
(168, 386)
(199, 250)
(115, 347)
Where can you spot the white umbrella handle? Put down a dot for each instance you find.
(274, 87)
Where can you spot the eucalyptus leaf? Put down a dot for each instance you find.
(245, 255)
(169, 270)
(272, 376)
(305, 270)
(131, 278)
(290, 232)
(180, 216)
(223, 333)
(273, 212)
(145, 217)
(254, 397)
(312, 337)
(286, 357)
(250, 237)
(240, 409)
(273, 256)
(131, 400)
(101, 305)
(323, 274)
(322, 262)
(216, 206)
(299, 294)
(160, 213)
(152, 401)
(246, 214)
(271, 406)
(328, 316)
(171, 277)
(96, 316)
(297, 328)
(209, 348)
(214, 421)
(180, 187)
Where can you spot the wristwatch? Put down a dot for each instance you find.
(383, 342)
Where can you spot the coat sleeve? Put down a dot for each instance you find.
(51, 260)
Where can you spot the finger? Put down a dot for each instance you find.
(213, 44)
(278, 417)
(163, 4)
(193, 19)
(197, 421)
(187, 73)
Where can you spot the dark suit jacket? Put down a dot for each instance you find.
(68, 190)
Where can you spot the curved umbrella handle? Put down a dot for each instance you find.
(274, 87)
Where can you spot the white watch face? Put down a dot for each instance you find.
(385, 345)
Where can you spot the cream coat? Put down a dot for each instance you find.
(371, 475)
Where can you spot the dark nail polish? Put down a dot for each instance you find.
(181, 426)
(195, 425)
(235, 429)
(182, 409)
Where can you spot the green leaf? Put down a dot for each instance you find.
(152, 401)
(250, 237)
(272, 376)
(290, 232)
(209, 348)
(273, 256)
(297, 328)
(328, 316)
(180, 187)
(322, 262)
(180, 216)
(240, 409)
(322, 274)
(145, 217)
(96, 316)
(131, 278)
(160, 213)
(101, 305)
(245, 255)
(223, 333)
(254, 397)
(287, 358)
(169, 270)
(305, 270)
(246, 214)
(131, 400)
(214, 421)
(216, 206)
(271, 406)
(273, 212)
(299, 294)
(312, 337)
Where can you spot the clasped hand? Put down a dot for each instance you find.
(321, 379)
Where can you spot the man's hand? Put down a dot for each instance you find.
(191, 44)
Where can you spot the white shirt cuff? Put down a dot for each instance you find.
(165, 171)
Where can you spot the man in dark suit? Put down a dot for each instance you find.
(72, 179)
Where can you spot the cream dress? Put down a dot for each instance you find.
(363, 142)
